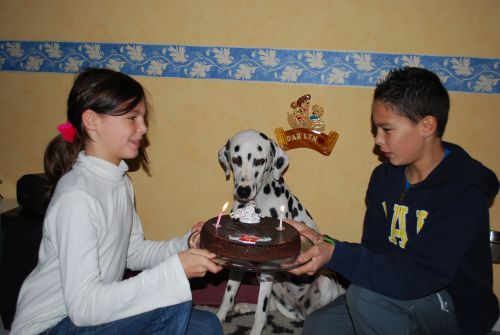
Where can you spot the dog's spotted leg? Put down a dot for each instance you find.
(233, 284)
(263, 303)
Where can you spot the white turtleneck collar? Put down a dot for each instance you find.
(102, 167)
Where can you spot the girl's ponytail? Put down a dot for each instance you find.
(60, 155)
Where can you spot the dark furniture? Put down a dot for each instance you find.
(21, 233)
(20, 236)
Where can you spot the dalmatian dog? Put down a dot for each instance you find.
(258, 164)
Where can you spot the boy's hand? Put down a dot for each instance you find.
(317, 256)
(196, 262)
(304, 230)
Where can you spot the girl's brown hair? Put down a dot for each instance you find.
(103, 91)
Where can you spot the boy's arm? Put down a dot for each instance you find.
(428, 262)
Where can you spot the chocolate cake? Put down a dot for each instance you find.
(252, 242)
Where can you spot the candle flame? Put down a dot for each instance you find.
(282, 208)
(225, 206)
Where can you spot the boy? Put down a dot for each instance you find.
(424, 262)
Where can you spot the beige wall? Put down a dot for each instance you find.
(193, 118)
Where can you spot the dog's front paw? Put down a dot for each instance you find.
(243, 308)
(222, 316)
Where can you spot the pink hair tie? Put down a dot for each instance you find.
(68, 132)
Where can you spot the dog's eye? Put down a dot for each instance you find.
(258, 162)
(237, 161)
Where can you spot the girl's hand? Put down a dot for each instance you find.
(196, 262)
(194, 238)
(317, 256)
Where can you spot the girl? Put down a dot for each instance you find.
(92, 232)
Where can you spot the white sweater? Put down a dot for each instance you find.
(91, 232)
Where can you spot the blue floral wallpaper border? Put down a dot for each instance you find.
(320, 67)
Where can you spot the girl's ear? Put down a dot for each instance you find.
(429, 125)
(90, 119)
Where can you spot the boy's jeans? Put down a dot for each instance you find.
(364, 312)
(178, 319)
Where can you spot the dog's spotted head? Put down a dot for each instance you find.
(253, 157)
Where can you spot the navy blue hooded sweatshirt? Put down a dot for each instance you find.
(431, 237)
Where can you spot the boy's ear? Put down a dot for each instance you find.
(90, 119)
(429, 125)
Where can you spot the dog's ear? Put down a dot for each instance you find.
(280, 160)
(224, 159)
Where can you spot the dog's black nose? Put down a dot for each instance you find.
(244, 192)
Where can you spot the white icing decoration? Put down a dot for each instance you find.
(247, 214)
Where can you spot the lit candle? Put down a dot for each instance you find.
(282, 209)
(217, 225)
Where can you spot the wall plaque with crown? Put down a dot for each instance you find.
(307, 130)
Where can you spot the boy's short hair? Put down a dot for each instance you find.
(415, 93)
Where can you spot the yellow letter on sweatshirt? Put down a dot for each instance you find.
(398, 226)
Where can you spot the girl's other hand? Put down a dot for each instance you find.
(196, 262)
(194, 238)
